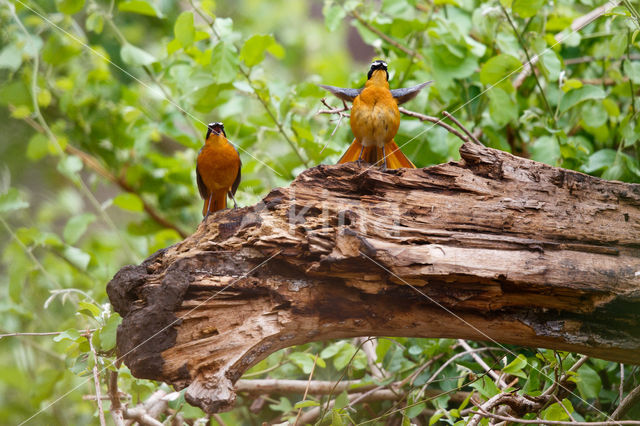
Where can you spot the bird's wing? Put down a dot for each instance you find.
(236, 182)
(204, 192)
(341, 92)
(407, 93)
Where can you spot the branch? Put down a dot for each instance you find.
(434, 120)
(464, 129)
(480, 249)
(93, 163)
(114, 396)
(96, 382)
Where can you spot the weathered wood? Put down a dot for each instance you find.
(491, 247)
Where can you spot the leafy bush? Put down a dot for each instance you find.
(104, 106)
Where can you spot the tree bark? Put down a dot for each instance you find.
(492, 247)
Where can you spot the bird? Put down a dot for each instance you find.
(375, 118)
(217, 170)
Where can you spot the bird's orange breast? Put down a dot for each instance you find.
(375, 117)
(218, 164)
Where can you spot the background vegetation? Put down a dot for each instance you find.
(103, 106)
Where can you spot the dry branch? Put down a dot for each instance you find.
(514, 251)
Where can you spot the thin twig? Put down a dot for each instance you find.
(306, 390)
(450, 360)
(341, 113)
(529, 61)
(91, 162)
(566, 376)
(501, 384)
(464, 129)
(29, 253)
(48, 333)
(95, 165)
(434, 120)
(96, 380)
(563, 407)
(385, 37)
(632, 399)
(275, 120)
(621, 388)
(114, 396)
(556, 422)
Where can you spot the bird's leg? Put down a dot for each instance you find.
(360, 156)
(209, 205)
(235, 205)
(384, 158)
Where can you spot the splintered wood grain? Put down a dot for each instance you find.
(493, 247)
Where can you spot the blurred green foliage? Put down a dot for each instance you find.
(103, 107)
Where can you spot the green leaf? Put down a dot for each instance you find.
(11, 57)
(225, 59)
(557, 412)
(95, 23)
(515, 367)
(306, 403)
(617, 45)
(632, 69)
(283, 406)
(254, 49)
(341, 401)
(415, 410)
(551, 64)
(589, 382)
(11, 201)
(139, 6)
(502, 107)
(333, 15)
(69, 7)
(575, 96)
(77, 257)
(70, 334)
(70, 166)
(132, 55)
(129, 201)
(527, 8)
(497, 68)
(331, 350)
(89, 309)
(303, 360)
(184, 30)
(109, 331)
(546, 150)
(486, 387)
(343, 357)
(600, 160)
(436, 416)
(336, 418)
(76, 226)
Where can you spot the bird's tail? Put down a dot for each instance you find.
(374, 155)
(217, 200)
(395, 158)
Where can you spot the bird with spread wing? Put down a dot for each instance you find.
(375, 118)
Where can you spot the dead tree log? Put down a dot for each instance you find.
(493, 247)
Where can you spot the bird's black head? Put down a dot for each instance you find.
(378, 65)
(217, 128)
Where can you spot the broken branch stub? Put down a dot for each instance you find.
(492, 247)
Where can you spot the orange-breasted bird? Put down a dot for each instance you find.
(375, 118)
(217, 170)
